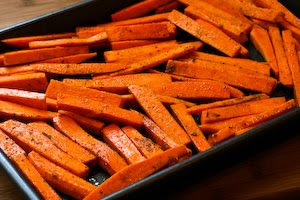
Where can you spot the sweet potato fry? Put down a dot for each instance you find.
(24, 41)
(292, 57)
(119, 45)
(161, 58)
(119, 141)
(198, 90)
(259, 67)
(257, 83)
(138, 171)
(108, 159)
(73, 59)
(143, 144)
(64, 143)
(96, 109)
(190, 126)
(28, 56)
(32, 99)
(67, 42)
(199, 108)
(204, 32)
(16, 69)
(18, 156)
(216, 126)
(168, 7)
(90, 125)
(252, 121)
(27, 81)
(288, 26)
(142, 51)
(31, 139)
(141, 20)
(51, 104)
(159, 114)
(17, 111)
(59, 178)
(231, 25)
(262, 42)
(138, 10)
(56, 87)
(239, 110)
(285, 76)
(119, 84)
(276, 5)
(249, 9)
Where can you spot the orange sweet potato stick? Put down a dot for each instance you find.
(77, 69)
(90, 125)
(119, 141)
(141, 20)
(249, 9)
(188, 123)
(17, 111)
(119, 84)
(276, 5)
(108, 159)
(292, 57)
(31, 139)
(285, 76)
(259, 67)
(138, 10)
(157, 134)
(96, 109)
(119, 45)
(252, 121)
(206, 33)
(143, 51)
(161, 58)
(28, 81)
(216, 126)
(24, 41)
(168, 7)
(64, 143)
(157, 30)
(238, 110)
(59, 178)
(56, 87)
(143, 144)
(67, 42)
(240, 132)
(262, 42)
(32, 99)
(159, 114)
(73, 59)
(199, 90)
(233, 27)
(28, 56)
(257, 83)
(199, 108)
(138, 171)
(16, 69)
(18, 156)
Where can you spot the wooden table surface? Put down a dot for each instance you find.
(271, 174)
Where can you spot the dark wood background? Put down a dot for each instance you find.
(268, 175)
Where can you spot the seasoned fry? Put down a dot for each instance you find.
(188, 123)
(73, 59)
(119, 45)
(119, 141)
(108, 159)
(168, 7)
(64, 143)
(159, 114)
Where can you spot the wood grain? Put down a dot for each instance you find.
(273, 174)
